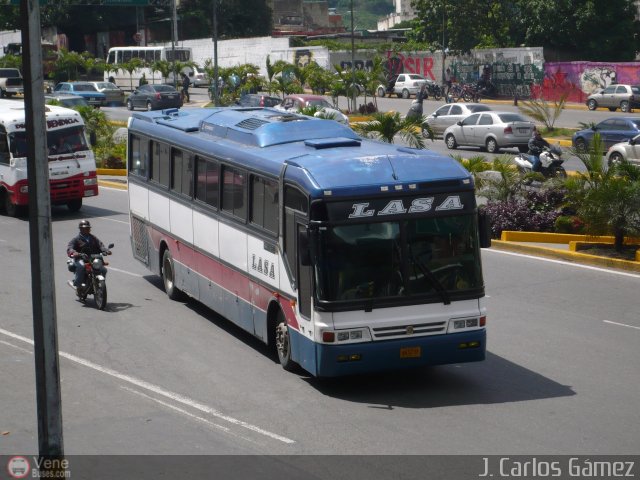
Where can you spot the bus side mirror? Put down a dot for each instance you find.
(484, 229)
(303, 248)
(93, 138)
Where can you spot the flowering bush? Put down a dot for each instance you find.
(535, 211)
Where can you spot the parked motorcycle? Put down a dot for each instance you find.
(434, 90)
(94, 282)
(550, 163)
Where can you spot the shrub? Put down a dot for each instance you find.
(569, 224)
(367, 109)
(534, 211)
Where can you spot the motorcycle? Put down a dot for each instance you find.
(94, 282)
(550, 163)
(434, 90)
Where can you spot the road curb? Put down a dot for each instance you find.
(575, 257)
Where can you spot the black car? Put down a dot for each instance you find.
(154, 97)
(258, 100)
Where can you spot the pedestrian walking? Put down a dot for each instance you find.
(185, 87)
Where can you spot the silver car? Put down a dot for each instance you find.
(491, 131)
(625, 151)
(452, 113)
(624, 97)
(113, 94)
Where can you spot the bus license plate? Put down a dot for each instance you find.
(410, 352)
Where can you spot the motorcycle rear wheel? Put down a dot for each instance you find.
(100, 295)
(559, 172)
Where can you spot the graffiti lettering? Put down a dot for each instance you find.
(422, 65)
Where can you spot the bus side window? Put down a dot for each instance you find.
(295, 202)
(207, 184)
(234, 192)
(139, 156)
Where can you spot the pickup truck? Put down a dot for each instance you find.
(10, 82)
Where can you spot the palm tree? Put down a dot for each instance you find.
(130, 66)
(606, 198)
(385, 127)
(163, 67)
(540, 110)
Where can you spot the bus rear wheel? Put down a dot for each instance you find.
(168, 276)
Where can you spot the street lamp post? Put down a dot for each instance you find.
(353, 64)
(215, 52)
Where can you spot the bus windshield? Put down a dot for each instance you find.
(426, 257)
(64, 140)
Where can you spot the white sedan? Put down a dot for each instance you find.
(294, 103)
(629, 151)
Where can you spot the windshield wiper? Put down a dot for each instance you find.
(432, 279)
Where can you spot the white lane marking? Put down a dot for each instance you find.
(562, 262)
(114, 220)
(176, 397)
(16, 347)
(177, 409)
(125, 272)
(621, 324)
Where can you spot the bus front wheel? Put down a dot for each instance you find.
(74, 205)
(283, 343)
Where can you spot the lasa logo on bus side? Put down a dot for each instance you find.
(263, 266)
(397, 207)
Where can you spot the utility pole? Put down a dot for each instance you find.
(174, 39)
(216, 95)
(353, 64)
(45, 333)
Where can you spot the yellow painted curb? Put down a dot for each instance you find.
(115, 172)
(565, 238)
(107, 183)
(575, 257)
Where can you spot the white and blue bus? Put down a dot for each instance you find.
(119, 56)
(347, 255)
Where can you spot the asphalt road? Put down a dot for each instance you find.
(154, 376)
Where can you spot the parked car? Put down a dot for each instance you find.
(628, 151)
(83, 89)
(154, 97)
(113, 94)
(405, 85)
(491, 131)
(612, 130)
(624, 97)
(258, 100)
(66, 100)
(451, 113)
(294, 103)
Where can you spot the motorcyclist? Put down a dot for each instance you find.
(536, 145)
(84, 243)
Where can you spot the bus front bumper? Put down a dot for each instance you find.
(355, 358)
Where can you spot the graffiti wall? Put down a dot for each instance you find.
(578, 80)
(512, 71)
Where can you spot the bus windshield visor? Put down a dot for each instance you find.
(426, 257)
(62, 141)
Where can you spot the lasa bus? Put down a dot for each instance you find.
(347, 255)
(72, 165)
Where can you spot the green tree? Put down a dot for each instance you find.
(386, 126)
(130, 66)
(597, 30)
(461, 25)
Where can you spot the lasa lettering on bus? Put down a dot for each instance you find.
(397, 207)
(263, 266)
(54, 123)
